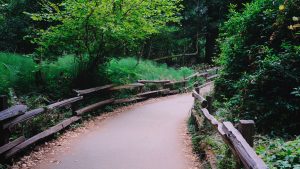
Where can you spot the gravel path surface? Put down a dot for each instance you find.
(151, 135)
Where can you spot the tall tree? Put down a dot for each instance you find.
(100, 28)
(96, 30)
(15, 25)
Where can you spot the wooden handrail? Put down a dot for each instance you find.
(191, 76)
(64, 103)
(176, 82)
(204, 74)
(213, 69)
(201, 86)
(151, 93)
(41, 135)
(93, 90)
(129, 100)
(129, 86)
(247, 155)
(202, 100)
(212, 77)
(31, 114)
(12, 144)
(12, 112)
(154, 81)
(217, 126)
(28, 115)
(94, 106)
(232, 137)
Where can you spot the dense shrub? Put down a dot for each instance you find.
(260, 56)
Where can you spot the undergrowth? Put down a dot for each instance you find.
(16, 71)
(278, 153)
(129, 70)
(19, 73)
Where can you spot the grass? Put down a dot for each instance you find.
(16, 71)
(129, 70)
(59, 75)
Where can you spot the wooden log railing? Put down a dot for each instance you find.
(129, 86)
(154, 81)
(94, 106)
(239, 141)
(93, 90)
(129, 100)
(64, 103)
(12, 112)
(11, 117)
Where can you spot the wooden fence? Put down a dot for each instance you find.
(239, 141)
(11, 117)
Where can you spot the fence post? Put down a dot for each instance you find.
(185, 84)
(209, 104)
(4, 134)
(196, 86)
(3, 102)
(247, 129)
(140, 89)
(74, 107)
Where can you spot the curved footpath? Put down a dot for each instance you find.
(145, 137)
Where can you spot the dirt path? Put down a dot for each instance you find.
(150, 136)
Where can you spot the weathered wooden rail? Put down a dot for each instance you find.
(13, 116)
(239, 141)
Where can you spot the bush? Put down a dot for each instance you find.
(259, 53)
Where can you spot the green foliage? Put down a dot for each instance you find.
(15, 25)
(101, 28)
(279, 154)
(194, 40)
(260, 60)
(59, 75)
(129, 70)
(16, 71)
